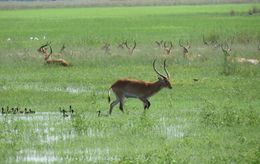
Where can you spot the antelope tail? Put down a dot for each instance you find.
(108, 97)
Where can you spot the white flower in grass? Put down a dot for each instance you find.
(35, 38)
(8, 39)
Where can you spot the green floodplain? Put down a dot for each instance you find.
(212, 114)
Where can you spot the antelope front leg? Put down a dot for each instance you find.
(121, 105)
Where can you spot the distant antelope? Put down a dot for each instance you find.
(189, 55)
(31, 111)
(185, 49)
(106, 47)
(126, 88)
(215, 44)
(122, 45)
(167, 49)
(130, 49)
(230, 58)
(47, 56)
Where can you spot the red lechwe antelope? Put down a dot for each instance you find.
(130, 49)
(47, 56)
(230, 58)
(167, 49)
(185, 49)
(126, 88)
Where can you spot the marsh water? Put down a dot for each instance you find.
(48, 137)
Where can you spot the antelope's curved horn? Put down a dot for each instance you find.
(134, 44)
(158, 73)
(48, 43)
(164, 67)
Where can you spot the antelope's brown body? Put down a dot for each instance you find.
(136, 88)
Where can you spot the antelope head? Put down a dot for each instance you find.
(130, 49)
(164, 80)
(43, 48)
(167, 49)
(122, 45)
(107, 48)
(226, 50)
(185, 48)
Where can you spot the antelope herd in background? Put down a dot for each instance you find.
(142, 90)
(166, 46)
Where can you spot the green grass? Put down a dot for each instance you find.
(213, 120)
(145, 24)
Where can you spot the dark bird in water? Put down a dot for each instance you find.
(26, 111)
(71, 110)
(64, 113)
(21, 112)
(31, 111)
(11, 111)
(99, 113)
(3, 111)
(16, 110)
(67, 113)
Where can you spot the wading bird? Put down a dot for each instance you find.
(71, 110)
(31, 111)
(3, 111)
(126, 88)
